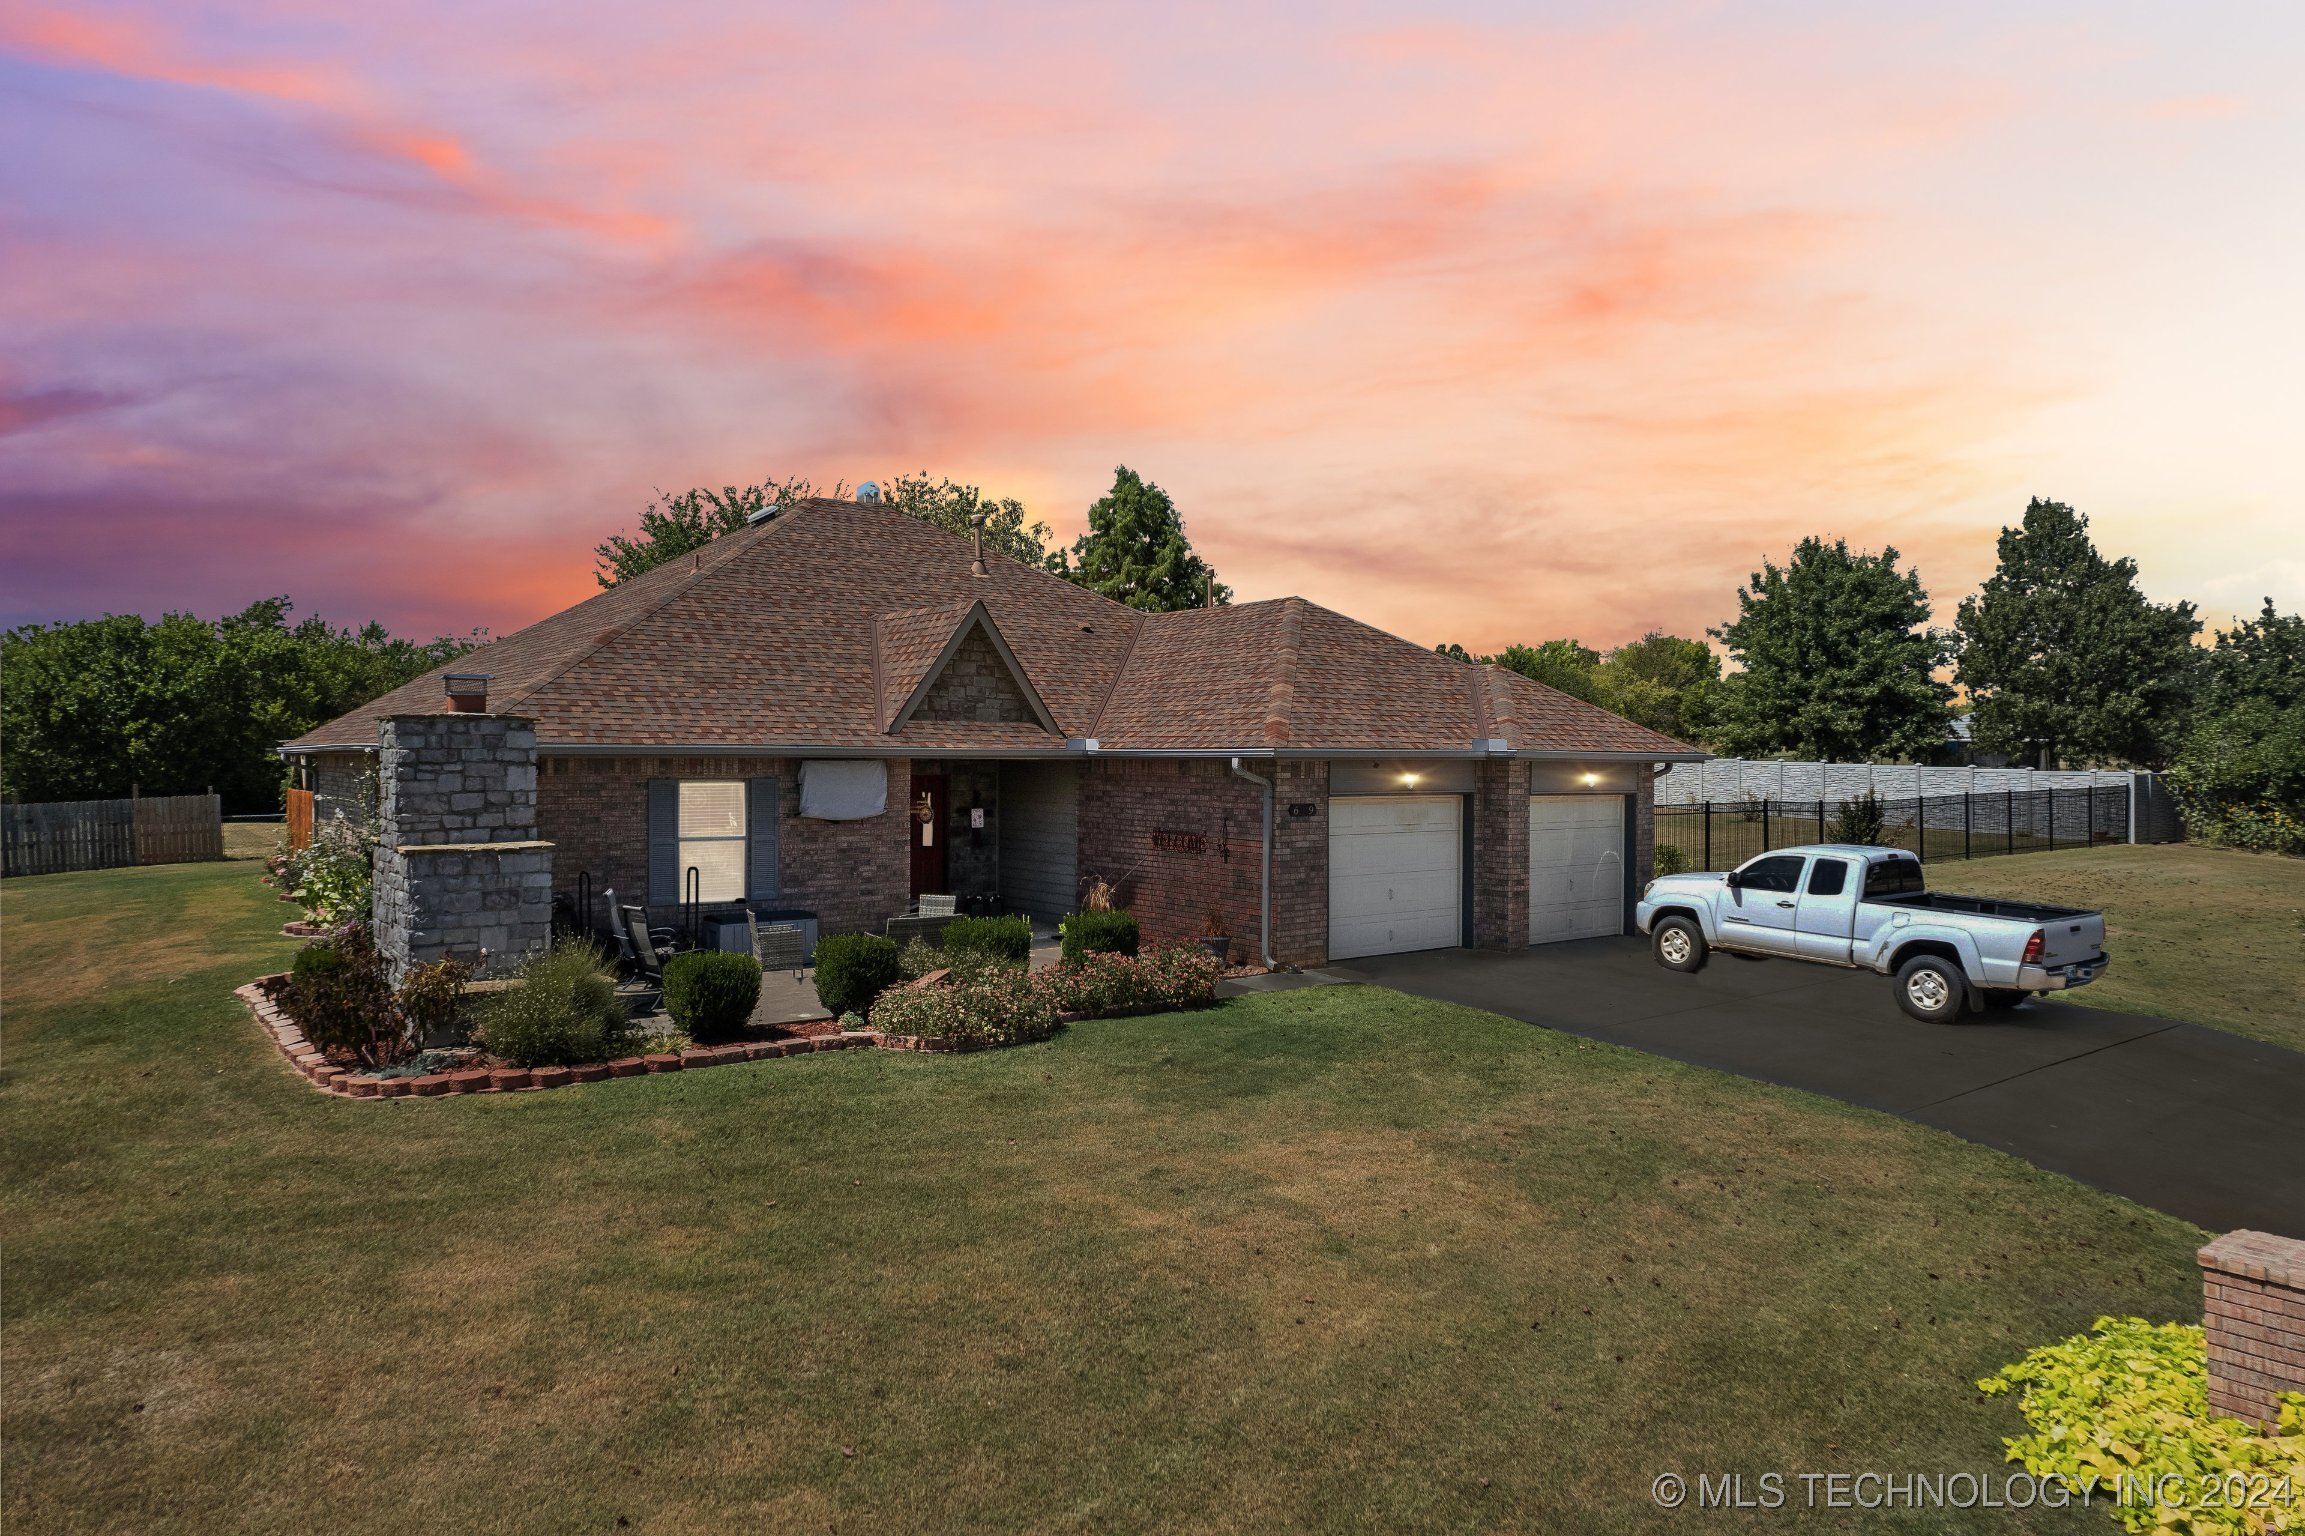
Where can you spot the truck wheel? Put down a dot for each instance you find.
(1678, 944)
(1932, 990)
(2004, 997)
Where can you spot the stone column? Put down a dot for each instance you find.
(459, 867)
(2253, 1312)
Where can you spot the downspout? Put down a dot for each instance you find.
(1265, 909)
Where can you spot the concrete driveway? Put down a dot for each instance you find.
(2193, 1121)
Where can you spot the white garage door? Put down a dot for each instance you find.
(1576, 867)
(1395, 873)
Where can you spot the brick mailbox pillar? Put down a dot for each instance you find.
(2253, 1311)
(459, 867)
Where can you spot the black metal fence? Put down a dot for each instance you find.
(1721, 834)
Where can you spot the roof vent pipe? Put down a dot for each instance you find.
(977, 567)
(1265, 899)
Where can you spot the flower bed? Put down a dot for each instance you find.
(983, 1008)
(1006, 1006)
(263, 998)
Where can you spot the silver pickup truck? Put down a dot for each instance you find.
(1850, 905)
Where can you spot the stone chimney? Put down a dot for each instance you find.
(459, 868)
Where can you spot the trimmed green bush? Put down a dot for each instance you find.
(341, 996)
(1669, 860)
(854, 968)
(997, 938)
(711, 993)
(1100, 933)
(565, 1011)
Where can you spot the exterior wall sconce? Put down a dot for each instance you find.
(1591, 779)
(1410, 779)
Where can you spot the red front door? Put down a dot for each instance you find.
(928, 834)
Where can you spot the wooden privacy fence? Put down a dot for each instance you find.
(300, 818)
(66, 835)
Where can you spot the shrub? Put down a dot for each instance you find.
(1106, 983)
(854, 968)
(564, 1011)
(341, 995)
(918, 958)
(2129, 1399)
(1000, 938)
(1112, 931)
(1001, 1009)
(711, 993)
(1858, 821)
(431, 1000)
(1669, 860)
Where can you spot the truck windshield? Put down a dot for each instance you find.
(1894, 877)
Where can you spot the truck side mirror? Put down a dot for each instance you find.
(1736, 881)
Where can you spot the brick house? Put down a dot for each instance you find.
(841, 708)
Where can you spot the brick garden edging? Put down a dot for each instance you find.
(329, 1078)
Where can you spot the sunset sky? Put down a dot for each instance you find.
(1480, 323)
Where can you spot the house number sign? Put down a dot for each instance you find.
(1167, 841)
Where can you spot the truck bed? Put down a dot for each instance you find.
(1979, 906)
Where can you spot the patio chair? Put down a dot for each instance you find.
(778, 946)
(649, 947)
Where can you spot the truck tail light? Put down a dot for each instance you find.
(2034, 946)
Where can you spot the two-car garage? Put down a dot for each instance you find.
(1397, 865)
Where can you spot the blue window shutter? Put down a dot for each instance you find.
(760, 884)
(663, 842)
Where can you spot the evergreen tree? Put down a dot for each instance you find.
(1136, 552)
(1839, 664)
(2240, 777)
(2064, 659)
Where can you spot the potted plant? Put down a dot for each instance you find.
(1214, 938)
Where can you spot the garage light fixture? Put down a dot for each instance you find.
(1410, 780)
(1591, 779)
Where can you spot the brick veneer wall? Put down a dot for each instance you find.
(343, 784)
(1501, 855)
(459, 867)
(1300, 865)
(852, 874)
(2253, 1311)
(1124, 803)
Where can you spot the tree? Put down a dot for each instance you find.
(1564, 664)
(671, 526)
(95, 708)
(954, 508)
(1454, 652)
(2065, 660)
(2240, 777)
(1661, 681)
(1135, 551)
(1839, 664)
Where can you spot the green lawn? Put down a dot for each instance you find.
(2206, 934)
(1332, 1260)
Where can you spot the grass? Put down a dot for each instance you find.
(2212, 935)
(1330, 1259)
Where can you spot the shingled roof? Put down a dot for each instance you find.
(813, 630)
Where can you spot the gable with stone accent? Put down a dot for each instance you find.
(975, 685)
